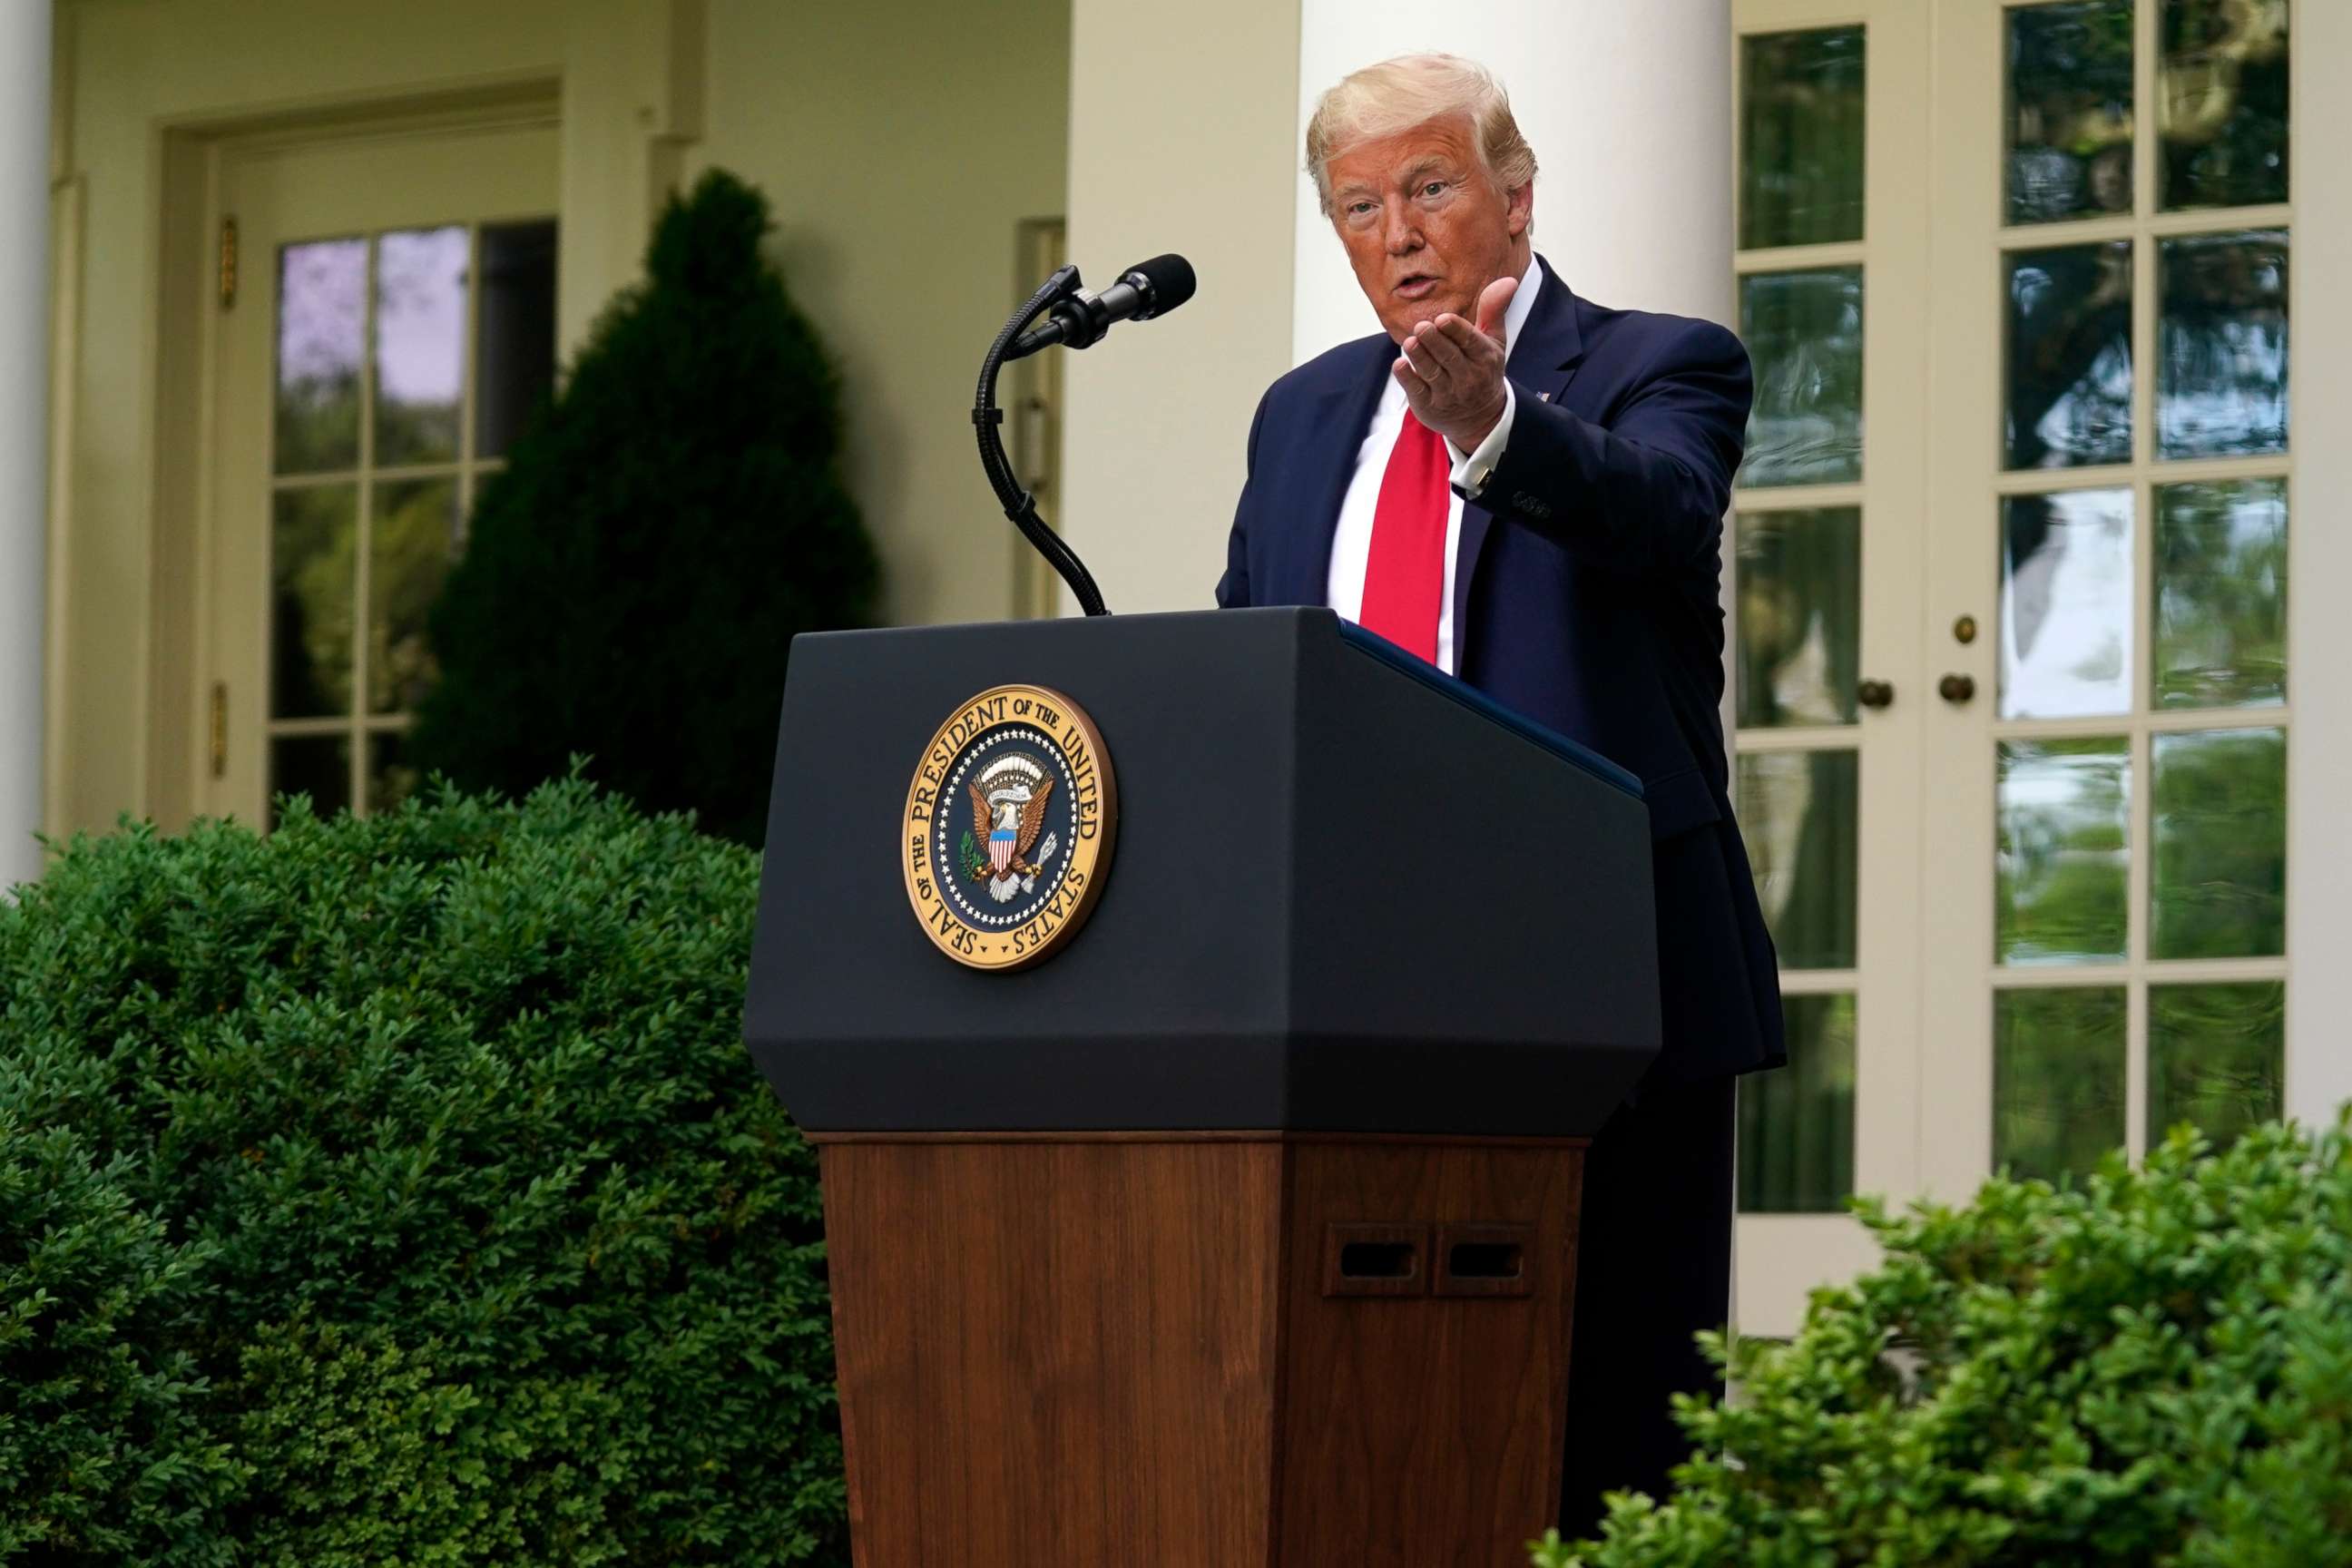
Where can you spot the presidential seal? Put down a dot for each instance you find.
(1008, 827)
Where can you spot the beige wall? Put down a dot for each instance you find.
(1181, 138)
(900, 143)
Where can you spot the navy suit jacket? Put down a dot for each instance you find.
(1586, 597)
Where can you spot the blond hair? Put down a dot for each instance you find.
(1413, 89)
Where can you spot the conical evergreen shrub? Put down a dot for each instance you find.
(634, 577)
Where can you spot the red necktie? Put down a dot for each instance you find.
(1404, 577)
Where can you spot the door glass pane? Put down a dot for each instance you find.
(410, 540)
(2063, 855)
(2223, 103)
(2070, 110)
(515, 342)
(1797, 814)
(2220, 887)
(313, 576)
(2066, 604)
(1800, 137)
(2220, 594)
(420, 344)
(322, 331)
(316, 765)
(1804, 332)
(1796, 1125)
(2069, 374)
(2220, 386)
(2058, 1078)
(2216, 1056)
(1800, 616)
(390, 779)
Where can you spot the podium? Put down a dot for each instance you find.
(1241, 1229)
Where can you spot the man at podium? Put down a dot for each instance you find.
(1527, 490)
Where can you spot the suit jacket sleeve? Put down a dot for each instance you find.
(1645, 493)
(1233, 587)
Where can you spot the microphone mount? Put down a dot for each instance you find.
(988, 420)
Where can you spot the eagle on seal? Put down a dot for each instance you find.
(1007, 821)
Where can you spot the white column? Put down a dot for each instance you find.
(1628, 106)
(24, 423)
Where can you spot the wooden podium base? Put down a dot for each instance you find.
(1221, 1350)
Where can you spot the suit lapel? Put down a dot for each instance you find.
(1544, 360)
(1343, 413)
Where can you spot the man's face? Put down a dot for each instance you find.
(1425, 229)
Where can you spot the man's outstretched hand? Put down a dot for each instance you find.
(1452, 372)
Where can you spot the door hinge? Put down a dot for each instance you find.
(218, 729)
(228, 262)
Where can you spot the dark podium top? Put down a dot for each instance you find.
(1348, 894)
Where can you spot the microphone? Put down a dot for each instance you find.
(1146, 290)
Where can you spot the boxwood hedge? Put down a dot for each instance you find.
(2154, 1367)
(398, 1190)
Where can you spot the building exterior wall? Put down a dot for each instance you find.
(1180, 139)
(897, 156)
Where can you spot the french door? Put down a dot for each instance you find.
(2010, 592)
(388, 324)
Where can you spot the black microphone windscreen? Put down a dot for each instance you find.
(1170, 280)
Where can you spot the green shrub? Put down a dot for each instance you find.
(633, 578)
(2155, 1367)
(102, 1458)
(502, 1250)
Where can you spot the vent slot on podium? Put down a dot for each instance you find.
(1377, 1260)
(1484, 1260)
(1361, 1259)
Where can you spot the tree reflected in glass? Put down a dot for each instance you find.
(2063, 855)
(2070, 110)
(1800, 137)
(2058, 1078)
(2220, 594)
(2223, 103)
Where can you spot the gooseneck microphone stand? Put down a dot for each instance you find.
(987, 420)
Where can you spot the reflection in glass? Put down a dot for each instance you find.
(420, 344)
(2057, 1079)
(321, 332)
(2070, 110)
(2221, 385)
(1804, 332)
(1796, 1126)
(2215, 1058)
(1800, 137)
(312, 577)
(1796, 813)
(2063, 860)
(316, 765)
(2220, 887)
(2066, 604)
(389, 778)
(2221, 593)
(2069, 374)
(2221, 97)
(411, 539)
(1800, 616)
(515, 338)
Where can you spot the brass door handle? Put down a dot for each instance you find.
(1957, 688)
(1874, 693)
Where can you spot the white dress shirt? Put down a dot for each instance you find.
(1351, 540)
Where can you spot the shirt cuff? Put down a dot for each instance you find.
(1471, 470)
